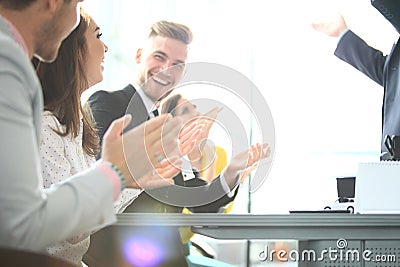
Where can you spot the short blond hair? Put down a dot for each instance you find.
(172, 30)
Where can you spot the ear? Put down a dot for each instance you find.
(139, 55)
(53, 5)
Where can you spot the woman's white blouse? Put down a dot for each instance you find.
(62, 157)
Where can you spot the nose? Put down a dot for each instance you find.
(166, 64)
(105, 48)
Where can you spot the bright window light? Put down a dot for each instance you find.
(327, 115)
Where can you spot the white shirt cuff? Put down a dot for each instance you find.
(342, 34)
(186, 170)
(225, 186)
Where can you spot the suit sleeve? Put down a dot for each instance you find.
(212, 189)
(356, 52)
(216, 206)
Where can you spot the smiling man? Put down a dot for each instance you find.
(166, 47)
(161, 65)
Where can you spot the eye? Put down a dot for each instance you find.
(99, 35)
(180, 66)
(159, 57)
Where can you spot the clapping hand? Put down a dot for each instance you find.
(139, 149)
(207, 120)
(188, 136)
(161, 176)
(247, 159)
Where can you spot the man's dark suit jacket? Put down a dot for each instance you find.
(108, 106)
(385, 70)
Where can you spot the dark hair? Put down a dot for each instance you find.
(63, 82)
(19, 4)
(172, 30)
(170, 104)
(16, 4)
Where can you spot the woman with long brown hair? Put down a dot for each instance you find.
(69, 140)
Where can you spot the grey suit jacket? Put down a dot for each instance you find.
(385, 70)
(30, 217)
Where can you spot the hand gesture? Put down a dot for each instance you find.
(159, 177)
(188, 136)
(138, 150)
(207, 120)
(248, 158)
(332, 28)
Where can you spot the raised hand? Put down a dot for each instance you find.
(137, 151)
(162, 138)
(161, 176)
(188, 136)
(332, 28)
(248, 158)
(207, 120)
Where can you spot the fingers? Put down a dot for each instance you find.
(332, 26)
(169, 150)
(162, 175)
(169, 168)
(188, 140)
(155, 127)
(260, 151)
(144, 142)
(164, 139)
(190, 129)
(153, 180)
(174, 161)
(266, 151)
(316, 26)
(209, 118)
(253, 155)
(157, 122)
(152, 128)
(186, 147)
(112, 149)
(213, 113)
(187, 128)
(171, 128)
(247, 173)
(257, 152)
(116, 127)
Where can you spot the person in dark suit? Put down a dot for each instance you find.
(161, 64)
(383, 69)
